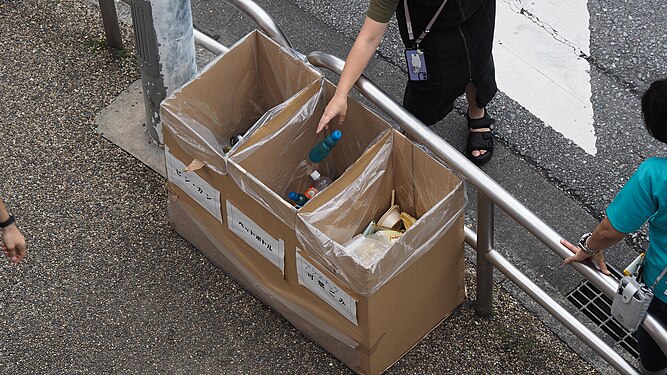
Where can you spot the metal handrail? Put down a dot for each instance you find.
(490, 189)
(490, 194)
(262, 19)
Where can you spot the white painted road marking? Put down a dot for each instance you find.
(538, 64)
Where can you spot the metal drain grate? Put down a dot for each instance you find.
(595, 305)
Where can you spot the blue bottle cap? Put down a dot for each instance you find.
(336, 135)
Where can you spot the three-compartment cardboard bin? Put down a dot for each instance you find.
(367, 310)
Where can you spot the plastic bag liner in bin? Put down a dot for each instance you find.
(231, 93)
(271, 162)
(424, 188)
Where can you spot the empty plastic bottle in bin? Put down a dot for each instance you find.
(299, 199)
(319, 183)
(322, 149)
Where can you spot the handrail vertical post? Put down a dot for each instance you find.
(485, 222)
(110, 21)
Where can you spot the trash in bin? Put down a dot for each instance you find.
(362, 196)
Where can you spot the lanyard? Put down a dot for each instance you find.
(428, 27)
(659, 277)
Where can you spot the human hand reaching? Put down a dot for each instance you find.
(13, 243)
(337, 107)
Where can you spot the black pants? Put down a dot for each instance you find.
(651, 356)
(455, 56)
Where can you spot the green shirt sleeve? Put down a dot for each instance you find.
(381, 10)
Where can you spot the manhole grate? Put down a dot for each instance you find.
(596, 306)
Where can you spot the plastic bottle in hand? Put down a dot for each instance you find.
(322, 149)
(319, 183)
(299, 199)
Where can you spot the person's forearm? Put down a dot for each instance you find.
(604, 236)
(4, 214)
(363, 49)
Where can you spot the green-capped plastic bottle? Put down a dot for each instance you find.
(322, 149)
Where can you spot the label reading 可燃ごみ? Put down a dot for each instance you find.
(310, 277)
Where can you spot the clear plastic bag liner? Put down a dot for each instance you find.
(423, 187)
(231, 93)
(193, 227)
(273, 160)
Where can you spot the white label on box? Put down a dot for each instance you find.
(271, 248)
(193, 185)
(310, 277)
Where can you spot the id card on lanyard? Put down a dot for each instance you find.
(414, 57)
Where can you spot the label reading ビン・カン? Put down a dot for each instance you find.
(194, 186)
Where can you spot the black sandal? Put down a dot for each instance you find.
(480, 140)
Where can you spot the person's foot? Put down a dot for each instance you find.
(479, 147)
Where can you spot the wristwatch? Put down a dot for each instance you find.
(8, 222)
(583, 244)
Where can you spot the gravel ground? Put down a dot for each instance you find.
(108, 287)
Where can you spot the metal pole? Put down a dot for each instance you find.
(209, 43)
(485, 223)
(110, 21)
(166, 52)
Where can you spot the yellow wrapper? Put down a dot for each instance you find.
(408, 220)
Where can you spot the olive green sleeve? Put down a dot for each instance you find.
(381, 10)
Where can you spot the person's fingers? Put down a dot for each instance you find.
(21, 251)
(12, 254)
(601, 264)
(578, 254)
(341, 118)
(324, 122)
(569, 260)
(603, 268)
(569, 246)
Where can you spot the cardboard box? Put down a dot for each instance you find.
(255, 78)
(265, 166)
(231, 93)
(232, 207)
(390, 306)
